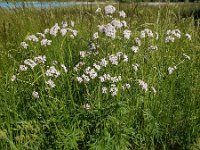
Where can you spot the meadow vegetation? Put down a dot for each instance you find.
(84, 77)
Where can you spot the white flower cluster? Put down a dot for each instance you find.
(24, 45)
(32, 38)
(153, 48)
(135, 67)
(35, 95)
(110, 10)
(146, 33)
(55, 30)
(117, 23)
(188, 36)
(45, 42)
(33, 62)
(171, 69)
(135, 49)
(52, 72)
(91, 73)
(122, 14)
(127, 34)
(78, 66)
(110, 29)
(171, 35)
(143, 85)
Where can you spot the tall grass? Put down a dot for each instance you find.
(77, 115)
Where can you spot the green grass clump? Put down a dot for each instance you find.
(75, 115)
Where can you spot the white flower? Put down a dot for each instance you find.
(92, 46)
(110, 30)
(92, 74)
(122, 14)
(30, 63)
(104, 90)
(46, 31)
(103, 62)
(98, 10)
(186, 56)
(40, 59)
(32, 38)
(138, 41)
(50, 83)
(78, 66)
(126, 86)
(127, 34)
(169, 39)
(125, 58)
(13, 78)
(107, 76)
(87, 106)
(113, 90)
(79, 79)
(135, 67)
(110, 9)
(171, 69)
(101, 28)
(64, 68)
(75, 33)
(177, 33)
(143, 85)
(71, 36)
(63, 31)
(142, 34)
(153, 48)
(54, 30)
(85, 78)
(113, 59)
(64, 24)
(35, 95)
(102, 79)
(188, 36)
(95, 36)
(116, 23)
(148, 32)
(45, 42)
(52, 72)
(98, 67)
(23, 67)
(24, 45)
(124, 23)
(135, 49)
(116, 79)
(83, 54)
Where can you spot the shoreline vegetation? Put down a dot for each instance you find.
(100, 77)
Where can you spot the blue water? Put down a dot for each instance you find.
(36, 4)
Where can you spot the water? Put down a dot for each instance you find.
(38, 4)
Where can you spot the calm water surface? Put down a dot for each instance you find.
(39, 4)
